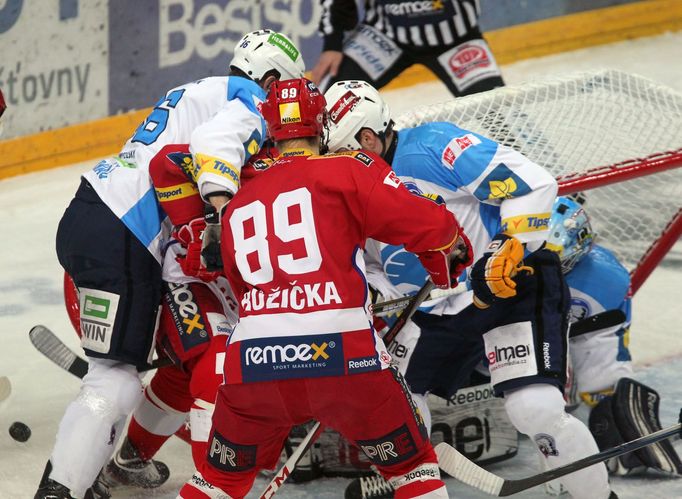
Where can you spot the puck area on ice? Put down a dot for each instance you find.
(19, 431)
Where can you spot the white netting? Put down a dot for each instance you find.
(576, 124)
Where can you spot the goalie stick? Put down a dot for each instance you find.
(47, 343)
(451, 461)
(307, 442)
(602, 320)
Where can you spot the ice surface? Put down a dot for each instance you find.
(30, 293)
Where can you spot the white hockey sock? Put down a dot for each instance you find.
(538, 411)
(92, 424)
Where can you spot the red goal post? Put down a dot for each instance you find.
(615, 136)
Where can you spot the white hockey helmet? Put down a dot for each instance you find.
(353, 105)
(264, 50)
(570, 232)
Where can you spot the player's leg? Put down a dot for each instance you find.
(250, 423)
(374, 410)
(526, 353)
(174, 394)
(466, 68)
(119, 284)
(161, 412)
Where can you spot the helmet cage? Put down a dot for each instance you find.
(571, 234)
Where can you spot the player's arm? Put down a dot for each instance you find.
(337, 16)
(525, 192)
(396, 216)
(222, 145)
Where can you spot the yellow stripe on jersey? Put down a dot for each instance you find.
(209, 164)
(525, 223)
(175, 192)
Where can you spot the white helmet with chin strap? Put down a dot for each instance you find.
(353, 105)
(261, 51)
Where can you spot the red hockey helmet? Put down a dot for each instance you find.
(294, 109)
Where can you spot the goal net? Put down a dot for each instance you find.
(613, 136)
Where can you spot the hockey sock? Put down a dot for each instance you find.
(153, 422)
(92, 424)
(538, 411)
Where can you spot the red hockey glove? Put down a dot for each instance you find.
(446, 265)
(190, 236)
(492, 276)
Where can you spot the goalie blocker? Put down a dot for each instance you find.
(631, 412)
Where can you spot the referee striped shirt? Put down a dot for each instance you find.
(414, 23)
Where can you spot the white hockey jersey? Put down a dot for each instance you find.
(490, 188)
(217, 116)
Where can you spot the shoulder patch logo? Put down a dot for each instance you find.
(456, 147)
(392, 179)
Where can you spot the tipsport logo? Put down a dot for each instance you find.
(292, 357)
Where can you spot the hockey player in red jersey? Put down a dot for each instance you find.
(197, 314)
(304, 347)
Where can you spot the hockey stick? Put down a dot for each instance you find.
(412, 306)
(608, 318)
(286, 469)
(47, 343)
(307, 442)
(385, 307)
(451, 461)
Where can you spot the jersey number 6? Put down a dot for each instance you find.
(254, 239)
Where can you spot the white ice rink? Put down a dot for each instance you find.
(30, 293)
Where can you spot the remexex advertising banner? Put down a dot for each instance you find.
(155, 45)
(53, 63)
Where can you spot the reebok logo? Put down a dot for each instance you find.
(545, 356)
(359, 364)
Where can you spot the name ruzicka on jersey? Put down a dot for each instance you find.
(297, 297)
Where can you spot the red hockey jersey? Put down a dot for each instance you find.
(292, 250)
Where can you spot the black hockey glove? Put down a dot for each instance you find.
(211, 258)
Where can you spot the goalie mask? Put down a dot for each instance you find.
(294, 109)
(263, 51)
(570, 233)
(354, 105)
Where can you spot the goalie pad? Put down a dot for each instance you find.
(630, 413)
(473, 421)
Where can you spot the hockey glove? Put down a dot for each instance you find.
(190, 236)
(492, 276)
(446, 265)
(210, 247)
